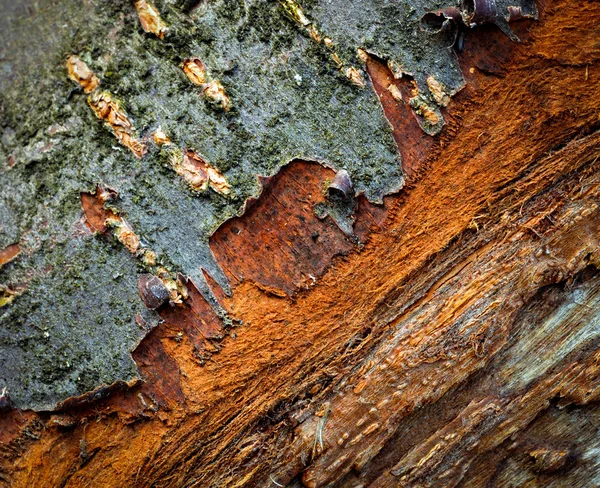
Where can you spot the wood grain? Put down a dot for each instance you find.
(441, 346)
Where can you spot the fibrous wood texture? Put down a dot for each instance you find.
(453, 341)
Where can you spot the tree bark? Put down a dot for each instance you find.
(452, 338)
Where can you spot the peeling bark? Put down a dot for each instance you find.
(449, 337)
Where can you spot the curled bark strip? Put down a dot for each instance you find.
(341, 185)
(479, 11)
(435, 21)
(153, 291)
(443, 23)
(340, 205)
(448, 21)
(5, 402)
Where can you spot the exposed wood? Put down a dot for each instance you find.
(455, 340)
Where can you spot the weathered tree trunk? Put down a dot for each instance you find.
(299, 335)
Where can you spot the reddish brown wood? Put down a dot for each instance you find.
(9, 253)
(279, 243)
(516, 165)
(414, 145)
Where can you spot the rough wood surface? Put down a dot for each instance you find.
(455, 341)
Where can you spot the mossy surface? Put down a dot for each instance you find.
(73, 327)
